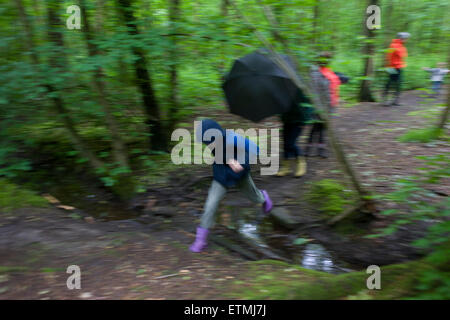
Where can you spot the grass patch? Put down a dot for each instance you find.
(9, 269)
(13, 197)
(52, 270)
(329, 196)
(421, 135)
(266, 280)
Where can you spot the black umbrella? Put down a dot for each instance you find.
(256, 88)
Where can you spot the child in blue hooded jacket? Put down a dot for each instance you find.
(231, 167)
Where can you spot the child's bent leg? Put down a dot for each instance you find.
(215, 194)
(247, 186)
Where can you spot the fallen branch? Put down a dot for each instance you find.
(166, 276)
(343, 215)
(227, 244)
(264, 252)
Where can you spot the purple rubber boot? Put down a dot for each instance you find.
(267, 205)
(200, 240)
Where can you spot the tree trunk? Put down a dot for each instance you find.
(386, 13)
(157, 137)
(99, 16)
(118, 147)
(444, 117)
(365, 92)
(55, 37)
(315, 33)
(174, 14)
(224, 12)
(224, 7)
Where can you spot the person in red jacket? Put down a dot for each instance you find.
(396, 56)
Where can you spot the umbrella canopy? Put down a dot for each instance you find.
(256, 88)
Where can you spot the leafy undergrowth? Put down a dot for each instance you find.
(13, 197)
(276, 280)
(421, 135)
(330, 196)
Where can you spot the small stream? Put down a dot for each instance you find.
(311, 255)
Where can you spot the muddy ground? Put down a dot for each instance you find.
(147, 257)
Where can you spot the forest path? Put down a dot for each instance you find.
(148, 257)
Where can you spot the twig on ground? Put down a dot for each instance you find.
(166, 276)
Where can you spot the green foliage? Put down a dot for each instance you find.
(269, 279)
(421, 135)
(10, 165)
(300, 241)
(424, 205)
(206, 44)
(412, 192)
(13, 197)
(329, 196)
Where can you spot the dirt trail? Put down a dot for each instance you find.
(148, 257)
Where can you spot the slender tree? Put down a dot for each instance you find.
(174, 17)
(445, 114)
(387, 8)
(157, 135)
(118, 146)
(224, 13)
(315, 33)
(99, 16)
(365, 92)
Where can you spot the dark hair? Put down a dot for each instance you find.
(324, 58)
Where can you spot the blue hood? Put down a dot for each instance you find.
(206, 125)
(221, 171)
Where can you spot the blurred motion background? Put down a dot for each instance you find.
(86, 117)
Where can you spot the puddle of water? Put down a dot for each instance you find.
(315, 257)
(312, 256)
(250, 231)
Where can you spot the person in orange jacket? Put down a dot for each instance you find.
(396, 56)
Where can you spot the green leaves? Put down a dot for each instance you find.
(422, 205)
(108, 181)
(329, 196)
(300, 241)
(10, 164)
(12, 197)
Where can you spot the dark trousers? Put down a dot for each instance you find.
(291, 131)
(318, 129)
(395, 80)
(436, 86)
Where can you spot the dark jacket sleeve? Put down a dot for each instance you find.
(300, 112)
(342, 77)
